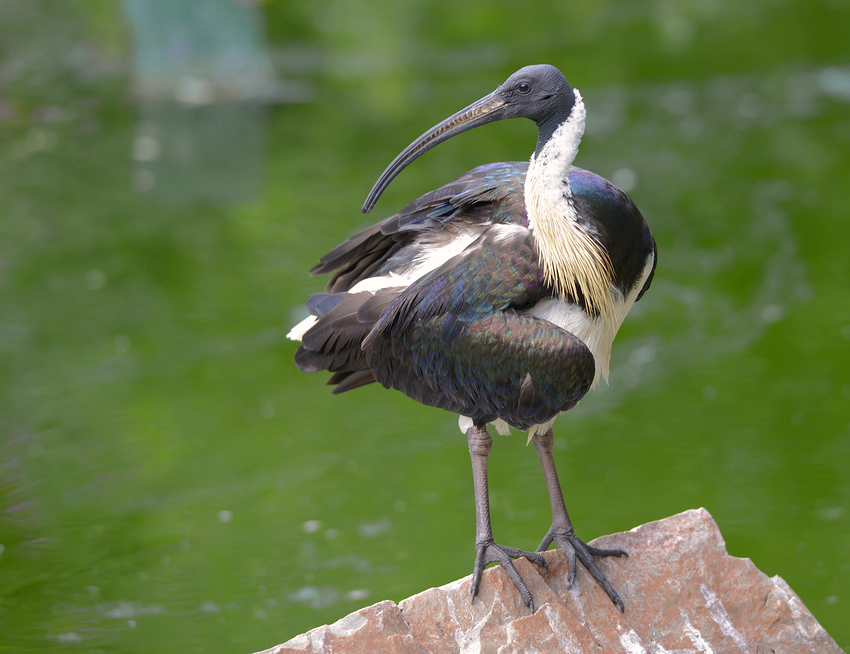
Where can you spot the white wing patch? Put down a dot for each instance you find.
(297, 332)
(434, 250)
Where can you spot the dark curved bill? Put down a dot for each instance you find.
(482, 111)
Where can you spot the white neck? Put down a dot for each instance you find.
(561, 149)
(572, 257)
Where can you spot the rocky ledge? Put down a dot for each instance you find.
(683, 593)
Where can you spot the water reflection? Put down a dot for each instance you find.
(201, 72)
(199, 52)
(203, 79)
(213, 153)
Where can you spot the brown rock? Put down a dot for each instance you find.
(683, 593)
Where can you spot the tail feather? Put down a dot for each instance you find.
(333, 342)
(346, 381)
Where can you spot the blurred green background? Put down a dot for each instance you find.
(170, 171)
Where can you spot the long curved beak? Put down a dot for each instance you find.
(485, 110)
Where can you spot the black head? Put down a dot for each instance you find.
(540, 93)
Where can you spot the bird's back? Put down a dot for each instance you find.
(488, 194)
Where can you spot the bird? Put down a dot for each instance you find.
(496, 296)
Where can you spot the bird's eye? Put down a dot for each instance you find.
(523, 87)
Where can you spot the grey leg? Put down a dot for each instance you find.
(562, 532)
(488, 551)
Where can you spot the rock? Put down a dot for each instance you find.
(683, 593)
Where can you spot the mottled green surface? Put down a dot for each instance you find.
(170, 482)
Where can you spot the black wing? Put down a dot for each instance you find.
(492, 193)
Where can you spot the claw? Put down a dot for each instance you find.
(561, 531)
(575, 548)
(491, 552)
(571, 566)
(606, 551)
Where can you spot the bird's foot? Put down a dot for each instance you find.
(490, 552)
(575, 548)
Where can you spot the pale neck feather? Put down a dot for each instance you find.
(572, 257)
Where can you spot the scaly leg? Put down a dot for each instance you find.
(561, 531)
(488, 551)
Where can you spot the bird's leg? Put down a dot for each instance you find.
(488, 551)
(561, 531)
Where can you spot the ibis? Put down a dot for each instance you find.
(496, 296)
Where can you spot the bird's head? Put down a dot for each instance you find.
(540, 93)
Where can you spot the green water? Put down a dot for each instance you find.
(169, 481)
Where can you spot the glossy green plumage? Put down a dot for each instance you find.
(460, 337)
(481, 373)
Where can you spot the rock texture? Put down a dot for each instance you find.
(683, 593)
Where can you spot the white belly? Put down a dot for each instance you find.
(597, 333)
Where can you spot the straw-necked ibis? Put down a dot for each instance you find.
(496, 296)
